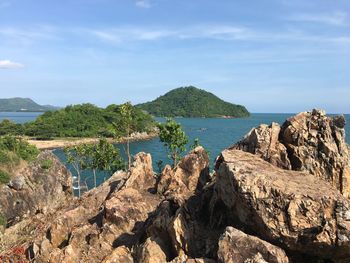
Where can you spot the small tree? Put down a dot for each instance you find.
(124, 127)
(77, 157)
(103, 156)
(174, 138)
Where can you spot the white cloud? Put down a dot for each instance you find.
(335, 19)
(143, 3)
(7, 64)
(126, 34)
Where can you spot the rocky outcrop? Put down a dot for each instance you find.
(249, 210)
(309, 141)
(294, 210)
(36, 188)
(238, 247)
(190, 176)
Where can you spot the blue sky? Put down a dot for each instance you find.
(270, 55)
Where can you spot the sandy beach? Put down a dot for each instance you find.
(67, 142)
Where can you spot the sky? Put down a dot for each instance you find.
(269, 55)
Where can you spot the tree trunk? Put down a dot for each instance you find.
(94, 171)
(175, 159)
(128, 153)
(79, 192)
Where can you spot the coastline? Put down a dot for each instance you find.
(68, 142)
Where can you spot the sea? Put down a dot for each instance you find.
(214, 134)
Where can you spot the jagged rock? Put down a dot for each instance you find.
(127, 207)
(17, 183)
(141, 173)
(189, 176)
(36, 190)
(238, 247)
(120, 254)
(263, 141)
(309, 141)
(152, 252)
(293, 209)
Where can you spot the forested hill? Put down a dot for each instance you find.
(85, 120)
(192, 102)
(23, 104)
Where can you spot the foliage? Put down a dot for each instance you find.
(103, 156)
(85, 120)
(3, 220)
(46, 164)
(18, 146)
(192, 102)
(173, 137)
(195, 144)
(8, 127)
(126, 126)
(4, 177)
(76, 156)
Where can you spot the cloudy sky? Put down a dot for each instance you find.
(270, 55)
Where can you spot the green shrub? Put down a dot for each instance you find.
(46, 164)
(3, 220)
(4, 177)
(18, 146)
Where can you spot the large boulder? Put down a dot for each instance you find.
(264, 142)
(309, 141)
(190, 175)
(296, 210)
(238, 247)
(36, 189)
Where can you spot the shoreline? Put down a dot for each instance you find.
(68, 142)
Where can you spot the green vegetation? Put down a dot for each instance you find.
(192, 102)
(3, 220)
(125, 127)
(4, 177)
(46, 164)
(103, 156)
(85, 120)
(174, 138)
(12, 147)
(12, 151)
(23, 104)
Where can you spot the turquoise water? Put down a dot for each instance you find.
(214, 134)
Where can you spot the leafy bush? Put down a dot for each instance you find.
(4, 177)
(46, 164)
(18, 146)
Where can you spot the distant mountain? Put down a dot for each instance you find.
(23, 104)
(192, 102)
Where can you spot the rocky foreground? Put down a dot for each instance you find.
(279, 195)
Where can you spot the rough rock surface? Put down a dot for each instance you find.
(36, 190)
(238, 247)
(309, 141)
(248, 211)
(190, 176)
(293, 209)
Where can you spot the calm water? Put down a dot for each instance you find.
(214, 134)
(19, 117)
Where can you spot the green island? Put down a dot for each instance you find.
(80, 121)
(193, 102)
(23, 105)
